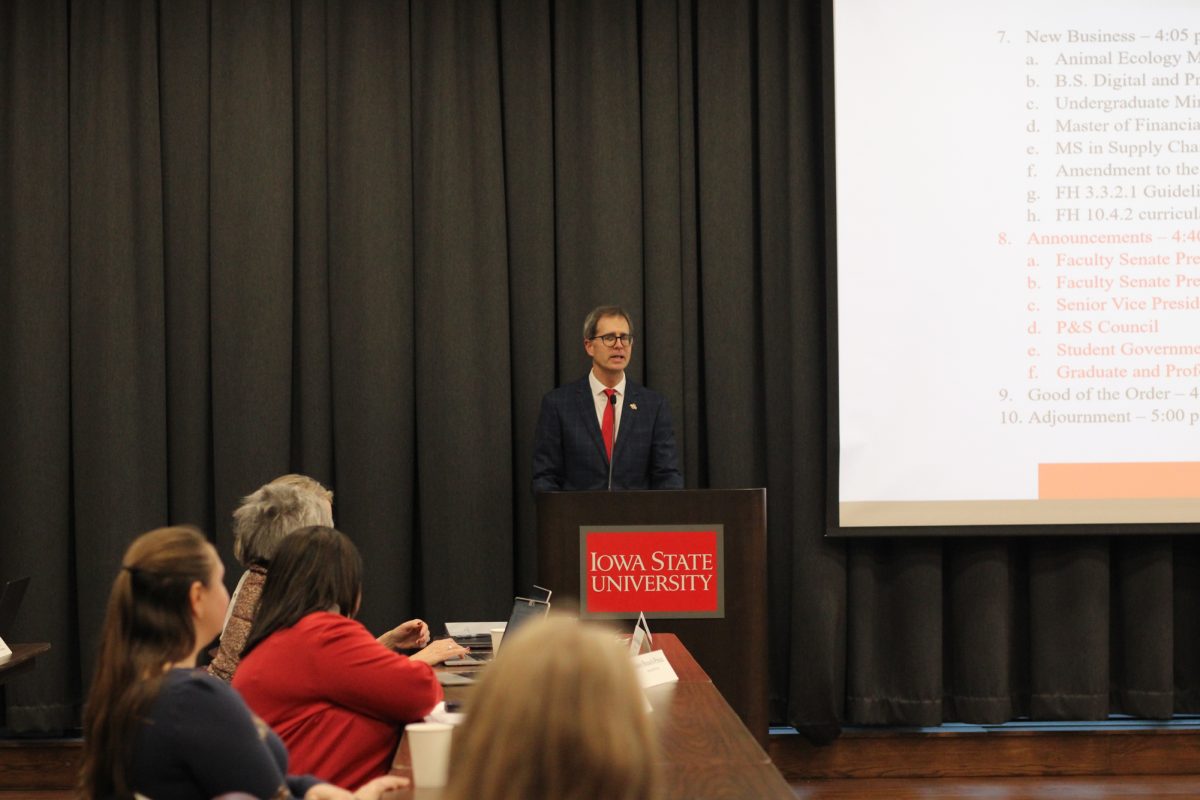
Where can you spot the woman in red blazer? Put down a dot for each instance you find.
(337, 697)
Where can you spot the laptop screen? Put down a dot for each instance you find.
(523, 611)
(475, 634)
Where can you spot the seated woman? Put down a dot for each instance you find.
(337, 697)
(153, 723)
(559, 714)
(260, 523)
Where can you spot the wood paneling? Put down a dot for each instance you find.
(1109, 788)
(877, 765)
(33, 765)
(894, 754)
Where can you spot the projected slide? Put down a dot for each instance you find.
(1018, 262)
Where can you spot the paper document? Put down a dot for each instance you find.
(457, 629)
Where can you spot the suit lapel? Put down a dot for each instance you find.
(587, 408)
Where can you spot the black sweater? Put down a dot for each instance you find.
(201, 741)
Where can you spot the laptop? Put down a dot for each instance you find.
(477, 637)
(10, 602)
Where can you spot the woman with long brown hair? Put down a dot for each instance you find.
(156, 726)
(558, 715)
(336, 696)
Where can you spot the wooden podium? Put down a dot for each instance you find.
(732, 649)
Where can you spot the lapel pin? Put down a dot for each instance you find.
(633, 406)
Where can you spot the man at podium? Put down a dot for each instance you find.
(605, 431)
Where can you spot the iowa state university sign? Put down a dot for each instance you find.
(666, 571)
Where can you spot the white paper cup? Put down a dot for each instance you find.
(497, 635)
(429, 746)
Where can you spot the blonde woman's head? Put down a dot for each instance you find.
(559, 714)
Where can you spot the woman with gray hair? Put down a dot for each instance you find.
(261, 522)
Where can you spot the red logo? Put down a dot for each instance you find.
(663, 571)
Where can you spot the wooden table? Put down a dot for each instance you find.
(22, 660)
(707, 753)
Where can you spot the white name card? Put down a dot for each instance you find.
(653, 669)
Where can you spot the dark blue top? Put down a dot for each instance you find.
(201, 741)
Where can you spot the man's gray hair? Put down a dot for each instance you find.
(264, 517)
(599, 312)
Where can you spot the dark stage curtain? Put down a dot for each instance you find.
(357, 240)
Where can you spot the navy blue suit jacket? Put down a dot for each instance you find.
(568, 450)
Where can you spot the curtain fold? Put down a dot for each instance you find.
(183, 75)
(368, 117)
(463, 360)
(36, 513)
(1069, 592)
(983, 669)
(312, 430)
(527, 127)
(1143, 638)
(357, 240)
(251, 248)
(598, 224)
(117, 382)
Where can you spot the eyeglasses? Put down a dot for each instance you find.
(611, 339)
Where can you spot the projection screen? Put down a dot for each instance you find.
(1015, 220)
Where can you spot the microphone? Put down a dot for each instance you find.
(612, 401)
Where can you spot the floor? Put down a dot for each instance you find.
(1161, 761)
(1165, 786)
(1168, 786)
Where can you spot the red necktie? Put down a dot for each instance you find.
(610, 419)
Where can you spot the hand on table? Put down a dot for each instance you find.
(372, 790)
(439, 651)
(380, 787)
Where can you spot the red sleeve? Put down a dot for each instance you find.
(357, 672)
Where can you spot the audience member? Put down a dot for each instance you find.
(156, 726)
(336, 696)
(559, 715)
(260, 523)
